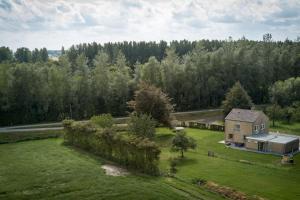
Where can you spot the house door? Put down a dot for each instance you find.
(260, 146)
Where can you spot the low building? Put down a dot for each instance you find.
(250, 128)
(273, 143)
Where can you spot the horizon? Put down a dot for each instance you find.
(53, 24)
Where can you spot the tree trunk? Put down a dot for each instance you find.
(181, 153)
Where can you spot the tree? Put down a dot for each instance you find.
(142, 125)
(23, 55)
(150, 100)
(274, 112)
(5, 54)
(103, 121)
(182, 143)
(237, 97)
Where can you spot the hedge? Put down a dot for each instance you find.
(133, 152)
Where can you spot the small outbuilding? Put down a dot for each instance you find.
(273, 143)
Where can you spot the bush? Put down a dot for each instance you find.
(173, 164)
(141, 125)
(103, 121)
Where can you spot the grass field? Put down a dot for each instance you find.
(283, 127)
(46, 169)
(252, 173)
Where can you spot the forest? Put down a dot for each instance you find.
(89, 79)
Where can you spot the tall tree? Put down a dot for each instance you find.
(237, 97)
(150, 100)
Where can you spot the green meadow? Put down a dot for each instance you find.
(47, 169)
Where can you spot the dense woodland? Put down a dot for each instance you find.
(89, 79)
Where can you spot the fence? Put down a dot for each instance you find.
(202, 125)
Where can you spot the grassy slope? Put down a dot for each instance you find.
(264, 177)
(48, 170)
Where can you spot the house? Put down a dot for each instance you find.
(250, 128)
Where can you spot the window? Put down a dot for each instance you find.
(237, 127)
(256, 127)
(262, 126)
(230, 136)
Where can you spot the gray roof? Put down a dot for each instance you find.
(243, 115)
(272, 138)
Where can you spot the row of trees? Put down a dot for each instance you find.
(23, 55)
(195, 75)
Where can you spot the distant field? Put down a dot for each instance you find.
(45, 169)
(292, 128)
(252, 173)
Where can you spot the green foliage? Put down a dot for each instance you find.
(5, 54)
(182, 143)
(286, 92)
(173, 165)
(141, 125)
(285, 97)
(133, 152)
(274, 112)
(101, 78)
(237, 97)
(103, 120)
(150, 100)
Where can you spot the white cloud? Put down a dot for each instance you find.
(52, 23)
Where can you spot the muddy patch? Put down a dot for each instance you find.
(113, 170)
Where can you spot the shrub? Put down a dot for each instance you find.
(103, 121)
(141, 125)
(173, 164)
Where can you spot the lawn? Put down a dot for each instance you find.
(252, 173)
(49, 170)
(46, 169)
(283, 127)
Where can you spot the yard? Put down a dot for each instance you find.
(252, 173)
(47, 169)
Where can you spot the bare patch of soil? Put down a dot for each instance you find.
(113, 170)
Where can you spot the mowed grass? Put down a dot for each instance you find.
(252, 173)
(283, 127)
(46, 169)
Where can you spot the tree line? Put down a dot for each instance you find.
(89, 79)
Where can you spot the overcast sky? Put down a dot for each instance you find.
(51, 24)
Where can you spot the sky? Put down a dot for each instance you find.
(56, 23)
